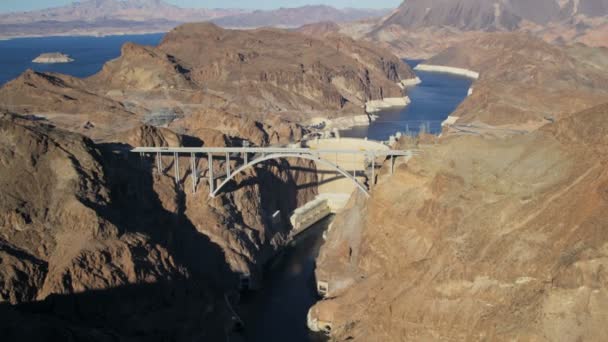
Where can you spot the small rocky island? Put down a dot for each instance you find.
(53, 57)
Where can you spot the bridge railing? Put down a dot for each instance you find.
(261, 154)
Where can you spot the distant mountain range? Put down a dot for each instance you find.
(491, 14)
(123, 10)
(104, 17)
(422, 28)
(296, 17)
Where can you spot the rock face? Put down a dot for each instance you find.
(524, 80)
(53, 57)
(420, 29)
(60, 236)
(280, 71)
(77, 249)
(478, 238)
(462, 14)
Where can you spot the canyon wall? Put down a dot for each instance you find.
(82, 226)
(477, 238)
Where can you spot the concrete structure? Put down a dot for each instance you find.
(309, 214)
(361, 165)
(251, 156)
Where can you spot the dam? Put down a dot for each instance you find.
(343, 166)
(334, 189)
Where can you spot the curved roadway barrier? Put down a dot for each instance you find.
(290, 155)
(267, 153)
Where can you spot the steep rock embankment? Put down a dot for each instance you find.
(84, 226)
(63, 244)
(142, 68)
(41, 93)
(479, 238)
(54, 235)
(206, 124)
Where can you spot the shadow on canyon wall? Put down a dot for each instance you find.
(187, 308)
(178, 308)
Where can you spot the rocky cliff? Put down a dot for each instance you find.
(525, 81)
(82, 226)
(478, 238)
(278, 71)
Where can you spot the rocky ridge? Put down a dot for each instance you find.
(525, 82)
(78, 249)
(421, 29)
(107, 17)
(477, 238)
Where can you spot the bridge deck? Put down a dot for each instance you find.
(261, 154)
(269, 150)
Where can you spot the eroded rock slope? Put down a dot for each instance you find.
(479, 238)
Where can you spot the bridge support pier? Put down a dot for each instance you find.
(159, 163)
(262, 154)
(211, 178)
(373, 180)
(194, 172)
(227, 165)
(176, 164)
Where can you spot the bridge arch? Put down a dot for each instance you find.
(273, 156)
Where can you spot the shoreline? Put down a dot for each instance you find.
(84, 34)
(448, 70)
(410, 82)
(375, 106)
(343, 122)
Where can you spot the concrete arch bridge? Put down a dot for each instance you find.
(249, 157)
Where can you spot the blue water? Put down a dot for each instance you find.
(89, 53)
(432, 101)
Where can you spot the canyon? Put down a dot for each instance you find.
(493, 229)
(477, 238)
(114, 227)
(469, 239)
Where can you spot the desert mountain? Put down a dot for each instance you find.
(420, 29)
(174, 252)
(105, 17)
(524, 80)
(491, 15)
(478, 238)
(295, 17)
(126, 10)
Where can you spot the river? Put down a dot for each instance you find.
(432, 101)
(278, 311)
